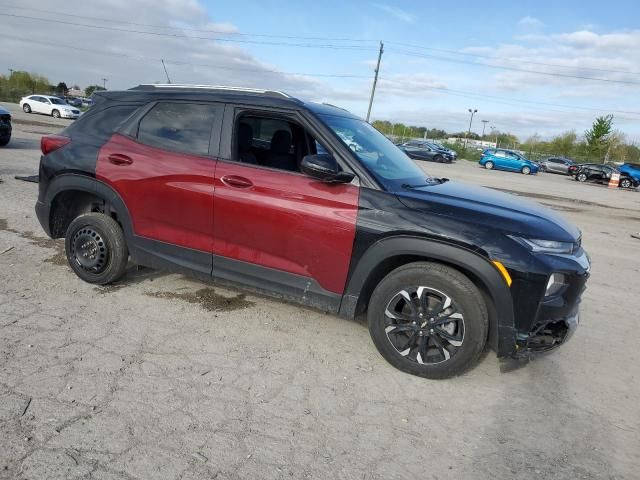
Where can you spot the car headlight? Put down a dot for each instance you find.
(544, 246)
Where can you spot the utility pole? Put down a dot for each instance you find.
(165, 70)
(495, 130)
(484, 124)
(466, 140)
(11, 70)
(104, 83)
(375, 80)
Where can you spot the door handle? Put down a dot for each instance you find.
(236, 181)
(120, 159)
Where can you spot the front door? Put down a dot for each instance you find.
(275, 227)
(165, 177)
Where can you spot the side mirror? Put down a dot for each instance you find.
(324, 167)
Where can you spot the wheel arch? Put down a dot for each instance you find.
(69, 195)
(390, 253)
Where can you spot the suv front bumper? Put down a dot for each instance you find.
(543, 323)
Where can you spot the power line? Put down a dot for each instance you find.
(220, 32)
(515, 69)
(488, 57)
(192, 37)
(180, 62)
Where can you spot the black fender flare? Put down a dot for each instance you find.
(85, 183)
(501, 328)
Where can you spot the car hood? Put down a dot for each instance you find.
(4, 111)
(493, 209)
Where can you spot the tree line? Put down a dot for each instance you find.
(19, 83)
(600, 143)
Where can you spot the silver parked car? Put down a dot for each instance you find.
(556, 165)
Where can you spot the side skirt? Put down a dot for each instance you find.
(226, 271)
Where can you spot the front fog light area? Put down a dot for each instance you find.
(555, 283)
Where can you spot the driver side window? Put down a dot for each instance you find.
(273, 142)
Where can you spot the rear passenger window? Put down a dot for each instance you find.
(102, 123)
(184, 127)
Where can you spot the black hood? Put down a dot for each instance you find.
(490, 208)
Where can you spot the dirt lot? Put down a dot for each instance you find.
(165, 377)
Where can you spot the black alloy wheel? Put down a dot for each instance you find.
(428, 319)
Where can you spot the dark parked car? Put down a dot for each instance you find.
(332, 215)
(5, 126)
(599, 173)
(423, 151)
(73, 101)
(556, 165)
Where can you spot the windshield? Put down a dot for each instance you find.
(57, 101)
(383, 159)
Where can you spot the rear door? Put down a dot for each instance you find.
(277, 228)
(164, 169)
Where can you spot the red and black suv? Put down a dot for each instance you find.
(307, 202)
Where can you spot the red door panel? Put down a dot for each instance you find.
(169, 195)
(285, 221)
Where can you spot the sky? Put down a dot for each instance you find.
(528, 67)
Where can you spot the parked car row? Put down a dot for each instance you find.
(601, 173)
(48, 105)
(430, 151)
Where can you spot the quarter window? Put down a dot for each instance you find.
(184, 127)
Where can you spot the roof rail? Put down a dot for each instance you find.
(151, 86)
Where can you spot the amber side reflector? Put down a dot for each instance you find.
(504, 272)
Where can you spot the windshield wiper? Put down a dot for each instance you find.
(430, 182)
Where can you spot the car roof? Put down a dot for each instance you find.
(255, 96)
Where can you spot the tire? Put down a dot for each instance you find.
(581, 177)
(55, 114)
(26, 108)
(4, 141)
(437, 159)
(525, 170)
(625, 183)
(96, 248)
(489, 165)
(405, 348)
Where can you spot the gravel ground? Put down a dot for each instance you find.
(162, 376)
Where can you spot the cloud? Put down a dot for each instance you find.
(396, 12)
(531, 22)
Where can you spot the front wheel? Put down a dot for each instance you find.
(526, 170)
(96, 248)
(581, 177)
(488, 165)
(428, 319)
(625, 183)
(55, 114)
(4, 141)
(26, 108)
(437, 159)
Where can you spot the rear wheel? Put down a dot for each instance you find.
(55, 114)
(488, 165)
(26, 108)
(96, 248)
(428, 319)
(526, 170)
(581, 177)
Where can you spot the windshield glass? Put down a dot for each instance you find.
(57, 101)
(383, 159)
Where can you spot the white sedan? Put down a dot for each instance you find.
(54, 106)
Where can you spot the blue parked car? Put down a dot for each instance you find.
(501, 159)
(631, 169)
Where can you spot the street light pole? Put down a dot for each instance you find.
(494, 129)
(104, 83)
(484, 125)
(466, 140)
